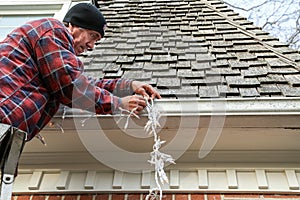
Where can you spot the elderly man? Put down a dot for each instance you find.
(40, 70)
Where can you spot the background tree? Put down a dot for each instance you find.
(281, 18)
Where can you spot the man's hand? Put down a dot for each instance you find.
(133, 102)
(145, 90)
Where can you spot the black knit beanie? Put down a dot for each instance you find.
(86, 15)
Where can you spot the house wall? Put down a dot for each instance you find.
(177, 196)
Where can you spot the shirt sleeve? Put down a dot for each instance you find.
(61, 72)
(119, 87)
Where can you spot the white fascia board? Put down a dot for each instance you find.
(34, 3)
(64, 9)
(17, 7)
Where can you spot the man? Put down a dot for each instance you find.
(39, 70)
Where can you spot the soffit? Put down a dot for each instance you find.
(256, 149)
(264, 131)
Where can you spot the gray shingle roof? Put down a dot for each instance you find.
(192, 49)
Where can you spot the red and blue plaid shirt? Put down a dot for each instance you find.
(39, 71)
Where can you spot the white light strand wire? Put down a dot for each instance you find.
(158, 159)
(50, 124)
(130, 113)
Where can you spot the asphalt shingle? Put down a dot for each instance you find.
(192, 49)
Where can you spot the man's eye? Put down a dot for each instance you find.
(93, 36)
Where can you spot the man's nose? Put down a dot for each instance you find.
(90, 45)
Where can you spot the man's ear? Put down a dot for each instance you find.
(71, 27)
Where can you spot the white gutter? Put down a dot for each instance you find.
(236, 106)
(210, 107)
(186, 113)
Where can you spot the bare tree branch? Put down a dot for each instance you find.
(295, 37)
(281, 18)
(246, 9)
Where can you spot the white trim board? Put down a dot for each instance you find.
(207, 180)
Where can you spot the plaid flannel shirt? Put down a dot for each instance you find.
(39, 71)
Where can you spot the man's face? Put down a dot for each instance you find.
(84, 39)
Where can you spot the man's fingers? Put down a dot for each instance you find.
(151, 91)
(143, 92)
(155, 95)
(137, 101)
(142, 103)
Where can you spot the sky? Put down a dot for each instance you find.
(278, 17)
